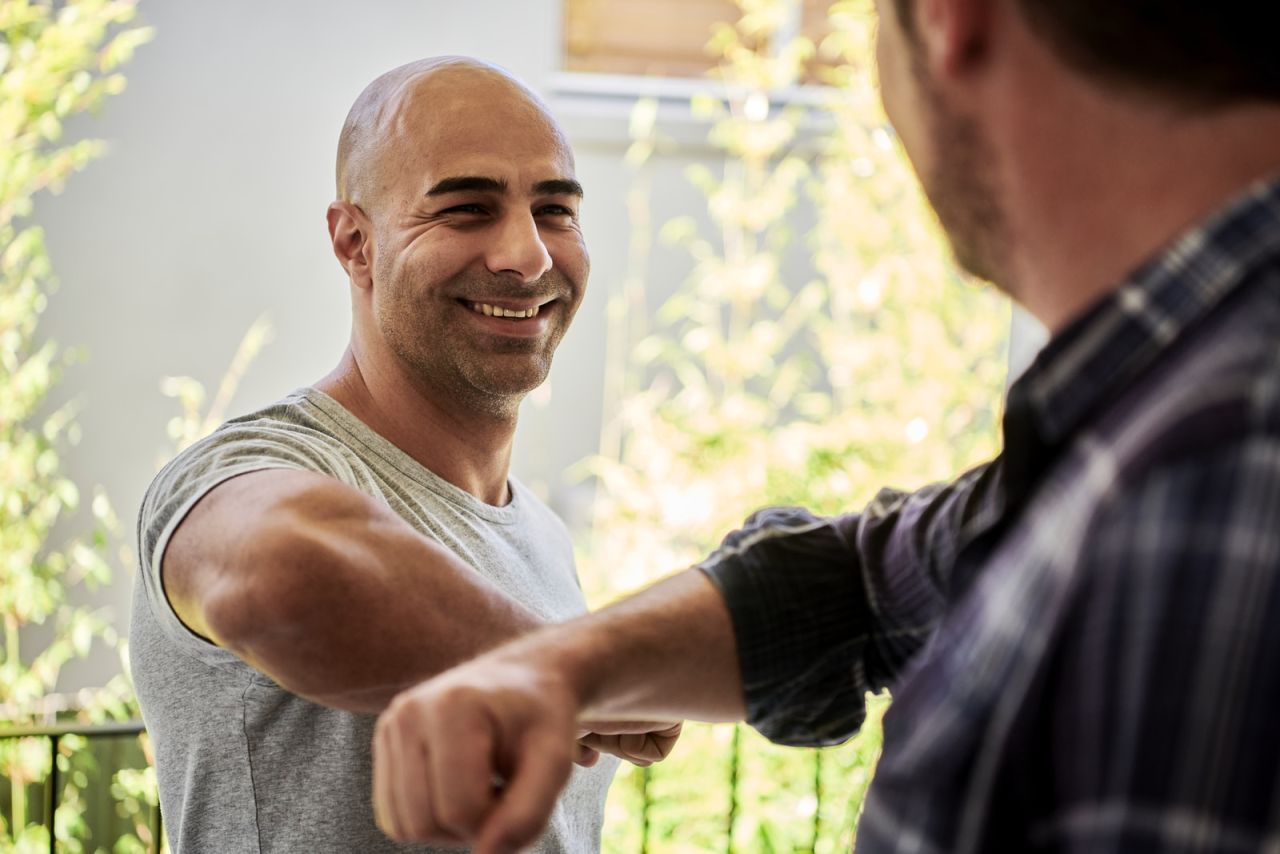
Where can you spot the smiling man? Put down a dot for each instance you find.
(1082, 637)
(307, 561)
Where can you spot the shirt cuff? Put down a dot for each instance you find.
(800, 617)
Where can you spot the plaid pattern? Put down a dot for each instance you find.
(1082, 636)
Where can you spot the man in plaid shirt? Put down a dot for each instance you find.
(1082, 637)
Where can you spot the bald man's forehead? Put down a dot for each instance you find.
(502, 140)
(442, 109)
(444, 94)
(520, 149)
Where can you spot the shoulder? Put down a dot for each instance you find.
(1216, 390)
(1194, 448)
(1187, 498)
(291, 432)
(284, 435)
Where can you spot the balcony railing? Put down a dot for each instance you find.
(724, 789)
(54, 784)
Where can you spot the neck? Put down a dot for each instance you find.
(468, 448)
(1092, 187)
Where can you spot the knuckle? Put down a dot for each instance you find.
(393, 718)
(383, 723)
(396, 707)
(452, 690)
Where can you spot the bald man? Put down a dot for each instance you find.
(306, 562)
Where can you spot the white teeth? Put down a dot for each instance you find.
(497, 311)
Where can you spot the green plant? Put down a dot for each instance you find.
(56, 60)
(877, 366)
(191, 423)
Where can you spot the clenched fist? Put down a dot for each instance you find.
(478, 755)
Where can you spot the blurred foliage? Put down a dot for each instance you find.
(878, 366)
(54, 62)
(57, 60)
(195, 419)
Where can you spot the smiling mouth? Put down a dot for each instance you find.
(490, 310)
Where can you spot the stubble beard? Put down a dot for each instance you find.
(483, 380)
(962, 188)
(487, 374)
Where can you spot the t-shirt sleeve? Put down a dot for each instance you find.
(233, 450)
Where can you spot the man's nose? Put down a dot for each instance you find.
(518, 249)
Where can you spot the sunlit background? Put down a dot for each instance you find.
(771, 319)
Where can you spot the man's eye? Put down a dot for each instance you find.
(465, 209)
(556, 210)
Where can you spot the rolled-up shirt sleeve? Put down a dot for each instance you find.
(826, 609)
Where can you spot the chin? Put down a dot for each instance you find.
(512, 382)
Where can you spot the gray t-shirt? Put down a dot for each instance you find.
(245, 766)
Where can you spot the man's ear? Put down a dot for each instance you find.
(352, 237)
(954, 34)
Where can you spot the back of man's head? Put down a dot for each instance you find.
(1198, 53)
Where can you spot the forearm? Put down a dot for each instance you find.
(667, 653)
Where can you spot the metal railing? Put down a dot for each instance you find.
(649, 798)
(55, 734)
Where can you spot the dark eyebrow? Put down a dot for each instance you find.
(468, 183)
(482, 184)
(558, 187)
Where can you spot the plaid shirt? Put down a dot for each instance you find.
(1083, 635)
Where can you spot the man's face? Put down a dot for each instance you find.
(948, 150)
(479, 262)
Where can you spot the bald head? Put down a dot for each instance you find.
(391, 115)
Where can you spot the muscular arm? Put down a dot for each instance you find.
(327, 591)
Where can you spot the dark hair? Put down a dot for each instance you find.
(1200, 52)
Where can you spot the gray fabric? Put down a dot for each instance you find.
(245, 766)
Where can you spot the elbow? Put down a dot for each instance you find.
(297, 614)
(267, 598)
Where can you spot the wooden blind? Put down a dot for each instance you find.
(651, 37)
(665, 38)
